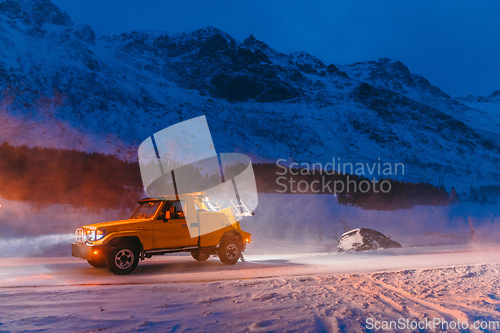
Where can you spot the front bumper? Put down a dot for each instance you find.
(88, 252)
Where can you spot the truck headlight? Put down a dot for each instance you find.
(88, 235)
(99, 233)
(93, 235)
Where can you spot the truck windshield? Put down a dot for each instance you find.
(145, 210)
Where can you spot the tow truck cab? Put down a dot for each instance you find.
(184, 223)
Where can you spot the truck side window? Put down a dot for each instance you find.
(164, 209)
(178, 208)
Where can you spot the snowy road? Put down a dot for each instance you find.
(299, 292)
(18, 272)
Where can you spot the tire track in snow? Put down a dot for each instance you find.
(389, 302)
(433, 306)
(371, 294)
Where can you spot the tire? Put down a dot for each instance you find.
(122, 259)
(97, 263)
(200, 255)
(229, 251)
(374, 245)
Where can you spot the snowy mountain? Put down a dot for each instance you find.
(494, 97)
(60, 86)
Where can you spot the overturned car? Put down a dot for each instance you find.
(365, 239)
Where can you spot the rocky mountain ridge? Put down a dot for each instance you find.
(114, 91)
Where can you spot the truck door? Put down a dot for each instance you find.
(173, 231)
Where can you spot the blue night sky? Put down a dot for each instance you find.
(454, 44)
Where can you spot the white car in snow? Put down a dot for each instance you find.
(365, 239)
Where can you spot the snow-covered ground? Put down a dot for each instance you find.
(322, 292)
(53, 133)
(292, 280)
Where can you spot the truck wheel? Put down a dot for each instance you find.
(97, 263)
(122, 259)
(200, 255)
(229, 251)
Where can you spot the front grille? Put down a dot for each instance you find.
(79, 236)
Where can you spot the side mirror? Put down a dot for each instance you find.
(167, 216)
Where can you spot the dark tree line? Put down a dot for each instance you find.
(483, 194)
(401, 194)
(45, 176)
